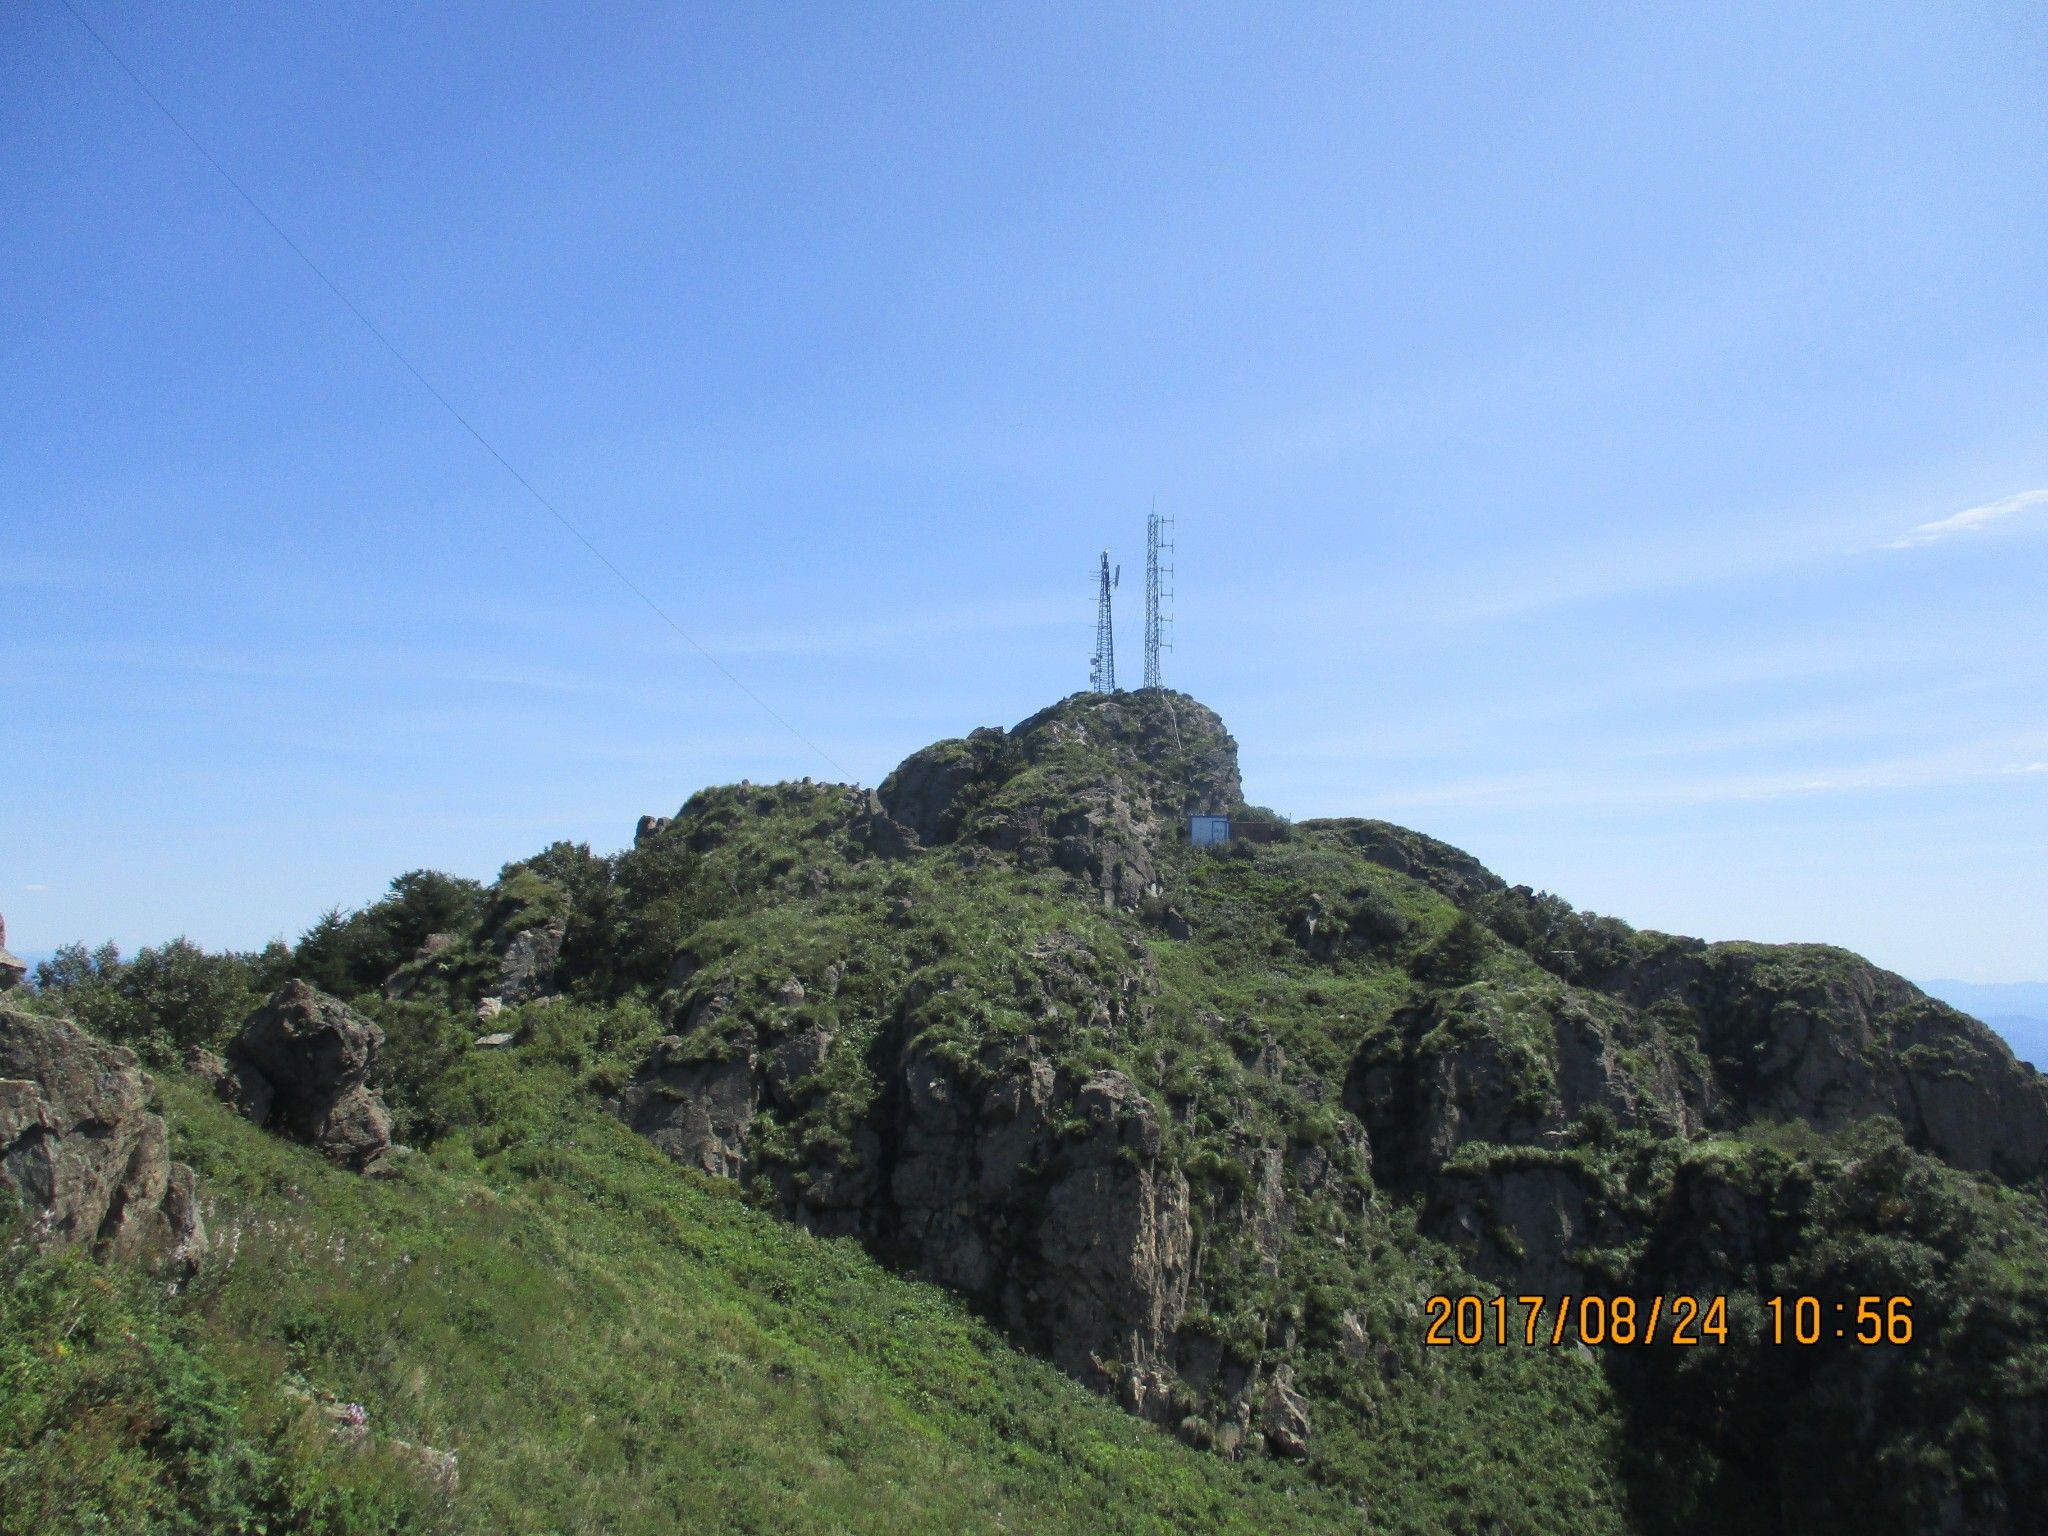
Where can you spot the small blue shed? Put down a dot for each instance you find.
(1208, 831)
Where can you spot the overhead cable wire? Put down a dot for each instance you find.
(428, 385)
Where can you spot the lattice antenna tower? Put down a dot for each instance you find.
(1102, 670)
(1158, 595)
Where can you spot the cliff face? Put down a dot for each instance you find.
(1141, 1103)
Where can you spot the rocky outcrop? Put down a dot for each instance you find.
(1079, 1241)
(80, 1148)
(1806, 1032)
(1827, 1038)
(881, 834)
(1517, 1225)
(1517, 1068)
(1096, 785)
(1045, 1198)
(1788, 1032)
(927, 790)
(301, 1065)
(1140, 1139)
(13, 969)
(699, 1111)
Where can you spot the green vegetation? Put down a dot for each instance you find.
(1375, 1070)
(608, 1343)
(124, 1413)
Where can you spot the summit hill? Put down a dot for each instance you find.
(1206, 1128)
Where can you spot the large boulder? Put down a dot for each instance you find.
(79, 1146)
(302, 1064)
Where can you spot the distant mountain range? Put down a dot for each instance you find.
(2018, 1010)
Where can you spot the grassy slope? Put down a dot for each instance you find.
(613, 1345)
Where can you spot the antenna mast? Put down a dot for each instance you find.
(1156, 595)
(1102, 670)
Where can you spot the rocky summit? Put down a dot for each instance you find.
(1161, 1111)
(1222, 1134)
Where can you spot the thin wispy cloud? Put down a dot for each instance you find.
(1971, 519)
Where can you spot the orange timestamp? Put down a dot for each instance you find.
(1873, 1320)
(1680, 1320)
(1536, 1320)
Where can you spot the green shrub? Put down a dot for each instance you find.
(162, 1003)
(118, 1416)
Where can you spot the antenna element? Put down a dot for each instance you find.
(1102, 670)
(1157, 596)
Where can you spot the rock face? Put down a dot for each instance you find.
(1044, 1198)
(1040, 1188)
(1104, 1225)
(1804, 1032)
(301, 1064)
(79, 1145)
(1783, 1032)
(924, 793)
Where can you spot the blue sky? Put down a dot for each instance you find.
(1548, 399)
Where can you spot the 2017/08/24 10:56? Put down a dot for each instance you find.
(1680, 1320)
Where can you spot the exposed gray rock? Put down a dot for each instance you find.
(880, 833)
(495, 1042)
(315, 1054)
(1046, 1199)
(80, 1147)
(796, 1057)
(13, 969)
(697, 1111)
(526, 960)
(1285, 1421)
(1804, 1032)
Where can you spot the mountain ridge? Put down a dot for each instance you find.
(1207, 1128)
